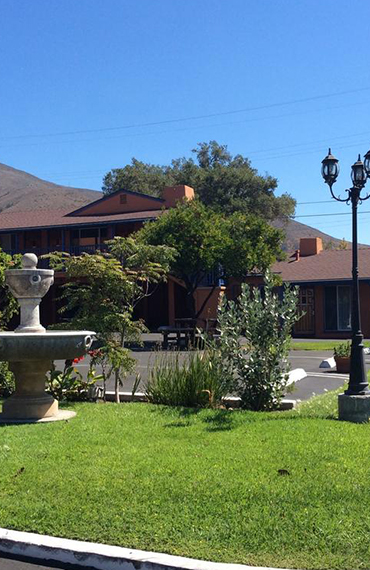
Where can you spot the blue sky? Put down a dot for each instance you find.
(284, 79)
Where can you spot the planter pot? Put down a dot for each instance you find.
(343, 364)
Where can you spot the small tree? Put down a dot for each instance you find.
(8, 308)
(103, 289)
(260, 367)
(206, 241)
(343, 244)
(8, 304)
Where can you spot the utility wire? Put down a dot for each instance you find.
(328, 214)
(173, 131)
(316, 202)
(69, 174)
(194, 117)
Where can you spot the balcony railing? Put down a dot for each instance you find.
(209, 280)
(72, 250)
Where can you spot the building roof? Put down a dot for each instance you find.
(43, 219)
(332, 265)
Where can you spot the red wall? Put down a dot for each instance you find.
(320, 331)
(113, 205)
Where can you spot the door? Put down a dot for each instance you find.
(306, 308)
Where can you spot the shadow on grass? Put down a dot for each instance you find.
(217, 420)
(222, 420)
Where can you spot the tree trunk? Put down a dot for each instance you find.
(116, 386)
(190, 303)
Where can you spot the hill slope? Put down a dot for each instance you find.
(295, 230)
(20, 191)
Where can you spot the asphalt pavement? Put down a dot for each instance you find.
(318, 380)
(21, 563)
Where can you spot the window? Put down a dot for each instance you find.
(123, 199)
(338, 308)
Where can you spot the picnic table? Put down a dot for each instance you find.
(184, 331)
(180, 334)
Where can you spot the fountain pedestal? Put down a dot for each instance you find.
(30, 399)
(30, 349)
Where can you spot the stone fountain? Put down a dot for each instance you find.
(30, 349)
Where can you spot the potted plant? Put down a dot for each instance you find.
(342, 357)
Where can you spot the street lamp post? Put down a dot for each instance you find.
(354, 404)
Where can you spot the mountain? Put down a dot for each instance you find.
(295, 230)
(22, 192)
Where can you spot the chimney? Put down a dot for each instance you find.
(174, 194)
(310, 246)
(297, 255)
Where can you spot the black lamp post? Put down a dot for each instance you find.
(358, 384)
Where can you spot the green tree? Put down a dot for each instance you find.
(207, 242)
(103, 289)
(8, 304)
(224, 182)
(8, 308)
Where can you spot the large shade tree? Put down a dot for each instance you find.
(206, 241)
(224, 182)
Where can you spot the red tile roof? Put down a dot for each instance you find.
(332, 265)
(49, 218)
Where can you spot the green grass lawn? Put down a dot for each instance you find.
(316, 345)
(206, 484)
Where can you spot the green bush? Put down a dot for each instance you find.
(260, 365)
(7, 384)
(343, 349)
(196, 382)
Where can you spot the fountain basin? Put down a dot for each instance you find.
(30, 349)
(30, 357)
(50, 345)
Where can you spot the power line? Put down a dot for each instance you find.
(69, 174)
(317, 202)
(328, 214)
(194, 117)
(191, 128)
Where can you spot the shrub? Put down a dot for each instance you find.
(7, 384)
(196, 382)
(343, 349)
(265, 321)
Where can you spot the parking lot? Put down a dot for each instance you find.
(318, 379)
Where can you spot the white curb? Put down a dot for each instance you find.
(328, 363)
(296, 375)
(232, 401)
(101, 556)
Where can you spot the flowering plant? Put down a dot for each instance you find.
(69, 384)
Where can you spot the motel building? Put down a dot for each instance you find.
(323, 276)
(86, 230)
(324, 279)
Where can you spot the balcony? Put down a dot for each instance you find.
(72, 250)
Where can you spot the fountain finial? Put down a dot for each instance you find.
(29, 261)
